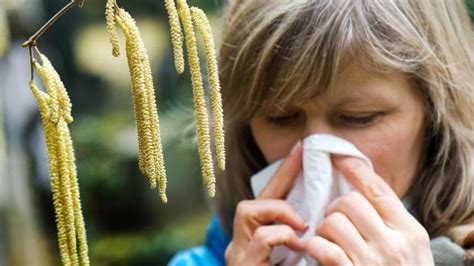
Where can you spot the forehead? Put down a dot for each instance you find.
(357, 82)
(353, 85)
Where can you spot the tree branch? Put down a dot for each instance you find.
(32, 40)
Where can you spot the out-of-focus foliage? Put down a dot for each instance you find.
(470, 8)
(150, 249)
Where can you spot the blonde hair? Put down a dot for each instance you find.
(276, 52)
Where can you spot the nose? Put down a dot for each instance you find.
(317, 124)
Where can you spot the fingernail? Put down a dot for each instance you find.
(306, 226)
(295, 147)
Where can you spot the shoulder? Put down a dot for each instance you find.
(200, 255)
(456, 247)
(463, 235)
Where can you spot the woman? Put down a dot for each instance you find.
(392, 77)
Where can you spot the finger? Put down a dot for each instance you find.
(375, 189)
(338, 229)
(281, 183)
(266, 237)
(360, 212)
(250, 214)
(230, 253)
(326, 252)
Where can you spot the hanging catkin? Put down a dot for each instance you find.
(110, 23)
(187, 16)
(204, 29)
(150, 152)
(55, 110)
(176, 35)
(150, 155)
(202, 125)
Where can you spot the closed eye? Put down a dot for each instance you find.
(360, 120)
(282, 120)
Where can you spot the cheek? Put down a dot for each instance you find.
(274, 144)
(395, 152)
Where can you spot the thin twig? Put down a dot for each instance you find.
(32, 40)
(31, 61)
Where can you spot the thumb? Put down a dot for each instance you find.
(281, 183)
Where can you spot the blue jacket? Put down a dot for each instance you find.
(211, 253)
(445, 252)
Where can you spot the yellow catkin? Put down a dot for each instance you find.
(142, 115)
(110, 23)
(62, 165)
(159, 162)
(61, 157)
(42, 99)
(79, 220)
(156, 145)
(52, 93)
(151, 159)
(176, 35)
(138, 116)
(150, 152)
(51, 139)
(66, 190)
(202, 127)
(64, 101)
(55, 109)
(204, 29)
(58, 203)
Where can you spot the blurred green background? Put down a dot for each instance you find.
(127, 224)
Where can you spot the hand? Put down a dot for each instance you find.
(254, 233)
(368, 228)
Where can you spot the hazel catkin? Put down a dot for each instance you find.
(55, 110)
(202, 126)
(176, 35)
(205, 31)
(110, 24)
(150, 152)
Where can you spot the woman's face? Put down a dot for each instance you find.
(381, 115)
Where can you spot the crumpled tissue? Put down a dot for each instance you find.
(315, 187)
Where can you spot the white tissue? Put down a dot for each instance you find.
(316, 186)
